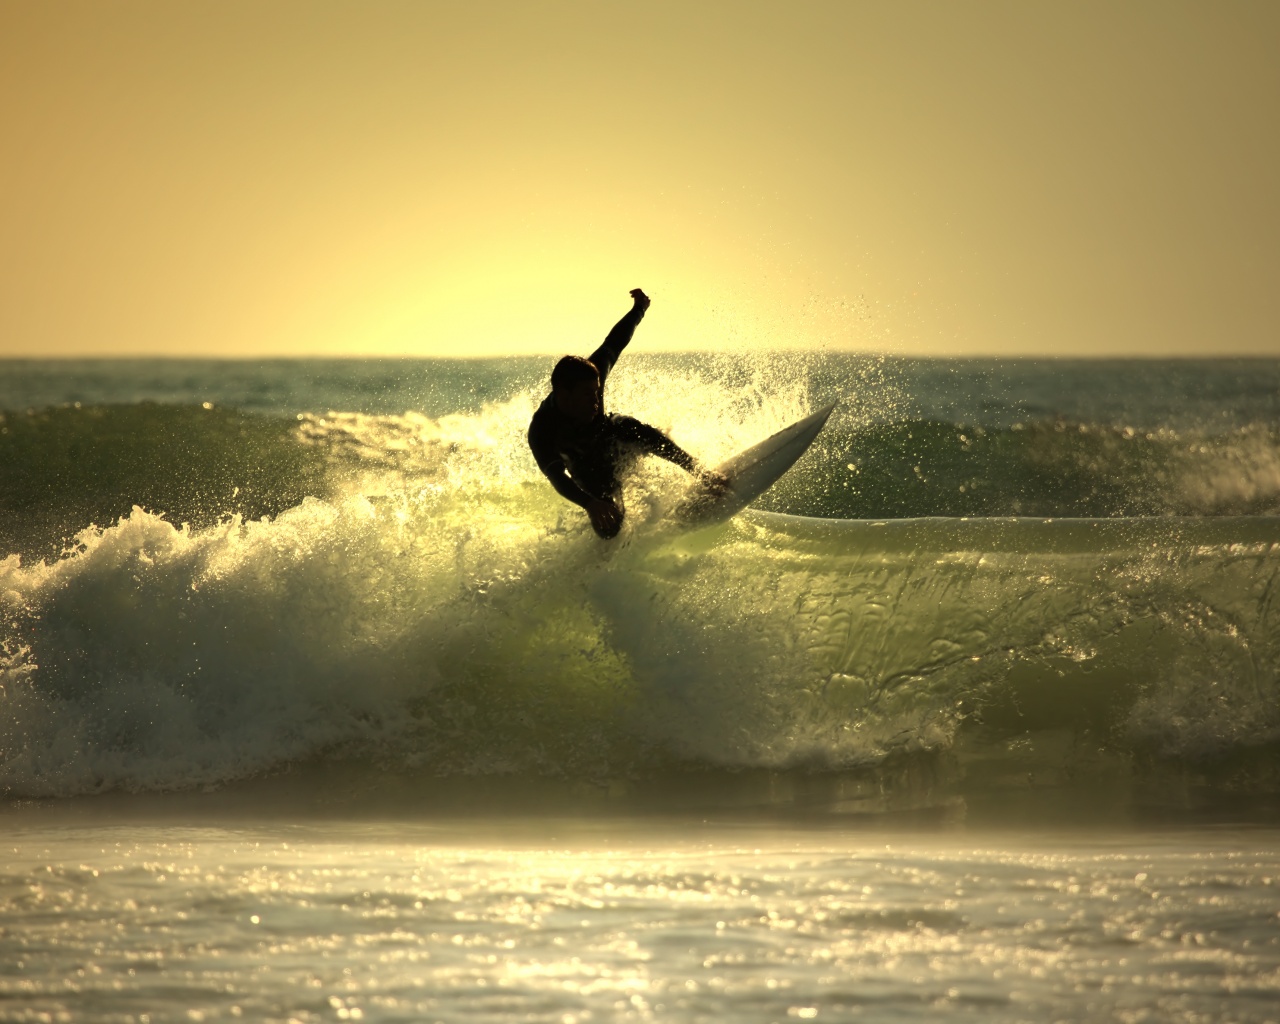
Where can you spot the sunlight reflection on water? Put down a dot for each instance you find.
(632, 921)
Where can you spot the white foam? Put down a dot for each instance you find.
(444, 610)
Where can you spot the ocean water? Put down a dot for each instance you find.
(317, 703)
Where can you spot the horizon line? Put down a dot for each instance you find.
(870, 353)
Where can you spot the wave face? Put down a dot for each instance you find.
(432, 610)
(1061, 468)
(64, 468)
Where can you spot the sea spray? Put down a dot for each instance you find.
(430, 609)
(158, 658)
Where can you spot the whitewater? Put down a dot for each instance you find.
(316, 702)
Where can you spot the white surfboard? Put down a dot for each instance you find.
(751, 473)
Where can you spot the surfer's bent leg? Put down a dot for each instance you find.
(652, 441)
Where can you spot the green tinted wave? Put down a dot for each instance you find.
(63, 469)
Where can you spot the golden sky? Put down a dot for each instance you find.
(309, 177)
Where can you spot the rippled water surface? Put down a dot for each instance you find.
(628, 920)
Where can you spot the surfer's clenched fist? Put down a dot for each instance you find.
(642, 300)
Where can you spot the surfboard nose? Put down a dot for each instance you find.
(752, 472)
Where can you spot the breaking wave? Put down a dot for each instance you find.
(406, 595)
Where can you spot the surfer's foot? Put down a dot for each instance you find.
(715, 483)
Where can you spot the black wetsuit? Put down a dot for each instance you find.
(582, 461)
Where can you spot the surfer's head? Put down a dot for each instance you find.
(575, 385)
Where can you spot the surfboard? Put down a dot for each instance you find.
(750, 473)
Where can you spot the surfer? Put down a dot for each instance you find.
(581, 448)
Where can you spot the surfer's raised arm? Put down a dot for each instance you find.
(616, 340)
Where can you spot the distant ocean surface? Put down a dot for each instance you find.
(317, 703)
